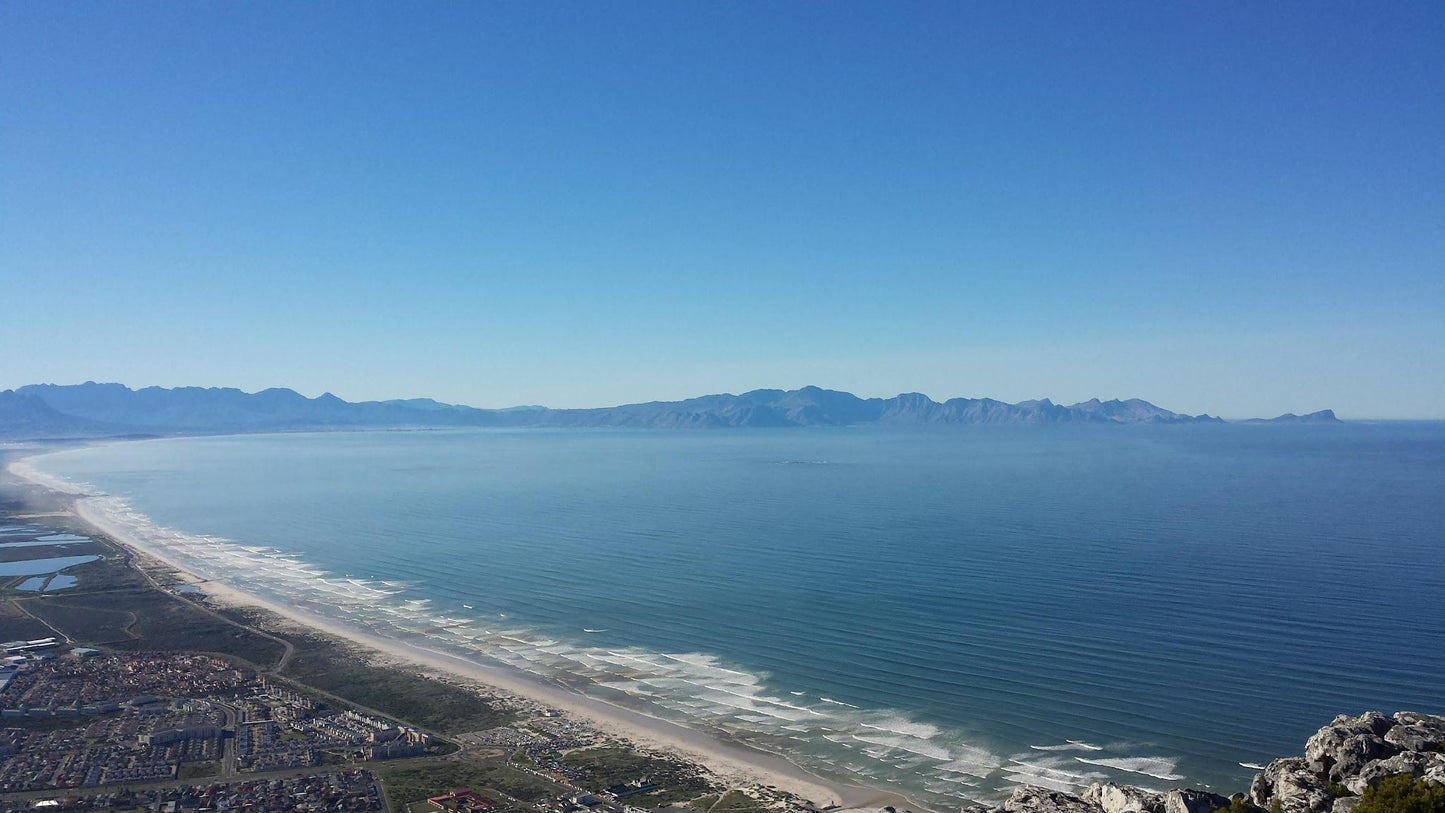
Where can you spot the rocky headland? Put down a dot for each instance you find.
(1341, 761)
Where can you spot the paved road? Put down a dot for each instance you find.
(228, 744)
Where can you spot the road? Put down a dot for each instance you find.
(228, 744)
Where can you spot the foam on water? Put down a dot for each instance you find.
(1054, 773)
(906, 727)
(1157, 767)
(1068, 745)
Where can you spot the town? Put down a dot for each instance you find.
(152, 717)
(82, 729)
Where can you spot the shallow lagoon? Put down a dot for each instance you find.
(60, 581)
(36, 567)
(41, 543)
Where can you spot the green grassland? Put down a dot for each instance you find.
(199, 770)
(114, 572)
(56, 723)
(113, 606)
(149, 620)
(342, 669)
(735, 801)
(494, 779)
(610, 765)
(16, 625)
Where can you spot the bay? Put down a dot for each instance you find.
(943, 612)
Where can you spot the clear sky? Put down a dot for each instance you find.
(1225, 207)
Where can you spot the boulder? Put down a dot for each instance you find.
(1115, 798)
(1435, 769)
(1429, 766)
(1297, 788)
(1417, 732)
(1193, 801)
(1031, 799)
(1358, 751)
(1345, 804)
(1412, 717)
(1344, 746)
(1261, 788)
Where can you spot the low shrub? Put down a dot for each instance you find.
(1403, 793)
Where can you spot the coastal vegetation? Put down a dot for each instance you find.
(735, 801)
(404, 785)
(609, 765)
(342, 669)
(1403, 793)
(112, 606)
(18, 625)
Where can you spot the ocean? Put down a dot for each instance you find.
(946, 613)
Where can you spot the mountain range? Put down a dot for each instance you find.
(111, 410)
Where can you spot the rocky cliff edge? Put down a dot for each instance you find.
(1340, 761)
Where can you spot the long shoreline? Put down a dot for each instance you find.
(732, 760)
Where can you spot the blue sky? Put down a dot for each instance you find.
(1231, 207)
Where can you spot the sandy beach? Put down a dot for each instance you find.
(732, 761)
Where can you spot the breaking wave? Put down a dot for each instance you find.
(1157, 767)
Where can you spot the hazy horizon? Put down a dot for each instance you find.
(1229, 208)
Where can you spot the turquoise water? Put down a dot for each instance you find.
(946, 613)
